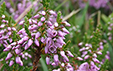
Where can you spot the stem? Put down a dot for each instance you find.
(71, 14)
(98, 21)
(24, 13)
(37, 58)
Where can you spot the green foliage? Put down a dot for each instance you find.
(104, 66)
(46, 4)
(59, 17)
(27, 31)
(14, 36)
(2, 9)
(82, 19)
(44, 66)
(29, 14)
(5, 66)
(67, 45)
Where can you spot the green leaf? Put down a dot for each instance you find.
(67, 44)
(29, 14)
(27, 31)
(3, 54)
(14, 36)
(105, 18)
(59, 17)
(105, 65)
(82, 19)
(44, 66)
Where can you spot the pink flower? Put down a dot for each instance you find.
(37, 16)
(17, 51)
(84, 67)
(79, 58)
(47, 60)
(28, 44)
(8, 56)
(70, 54)
(86, 57)
(43, 19)
(64, 56)
(11, 63)
(56, 60)
(18, 60)
(36, 42)
(96, 60)
(37, 35)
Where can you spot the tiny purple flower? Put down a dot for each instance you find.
(8, 56)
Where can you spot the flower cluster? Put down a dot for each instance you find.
(45, 28)
(89, 54)
(54, 41)
(11, 46)
(21, 6)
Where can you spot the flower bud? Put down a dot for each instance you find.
(28, 44)
(43, 19)
(79, 58)
(65, 30)
(49, 23)
(67, 24)
(52, 12)
(56, 60)
(11, 63)
(8, 56)
(64, 56)
(60, 40)
(56, 24)
(86, 57)
(21, 22)
(40, 24)
(47, 60)
(3, 16)
(20, 41)
(70, 54)
(13, 44)
(43, 13)
(96, 60)
(37, 16)
(17, 51)
(100, 53)
(42, 40)
(18, 60)
(25, 38)
(94, 55)
(36, 42)
(37, 35)
(8, 48)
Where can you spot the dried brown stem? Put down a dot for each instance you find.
(37, 58)
(70, 15)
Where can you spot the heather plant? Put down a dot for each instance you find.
(35, 37)
(44, 31)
